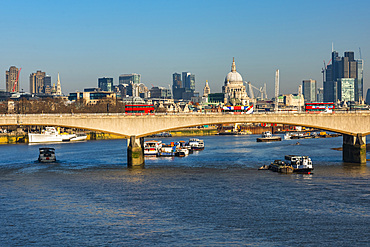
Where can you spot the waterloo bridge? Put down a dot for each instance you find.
(354, 126)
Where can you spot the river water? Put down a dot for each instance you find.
(215, 197)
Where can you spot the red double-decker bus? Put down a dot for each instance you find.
(316, 107)
(139, 108)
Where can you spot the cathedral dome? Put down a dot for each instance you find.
(233, 77)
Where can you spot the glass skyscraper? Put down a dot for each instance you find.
(336, 85)
(359, 85)
(309, 90)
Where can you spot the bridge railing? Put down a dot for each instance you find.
(183, 113)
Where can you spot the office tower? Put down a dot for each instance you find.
(177, 89)
(11, 78)
(185, 80)
(192, 82)
(309, 90)
(320, 95)
(129, 78)
(47, 84)
(341, 68)
(105, 84)
(346, 89)
(188, 81)
(37, 82)
(176, 80)
(359, 84)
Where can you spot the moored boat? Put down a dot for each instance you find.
(79, 137)
(182, 152)
(268, 137)
(47, 155)
(152, 147)
(196, 144)
(50, 134)
(167, 150)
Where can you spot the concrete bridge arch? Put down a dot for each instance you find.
(354, 126)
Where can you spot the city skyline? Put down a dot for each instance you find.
(155, 41)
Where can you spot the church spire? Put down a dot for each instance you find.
(233, 67)
(59, 88)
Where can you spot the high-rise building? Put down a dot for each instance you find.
(343, 67)
(37, 82)
(188, 81)
(359, 84)
(346, 89)
(176, 80)
(129, 78)
(309, 90)
(105, 84)
(320, 95)
(176, 86)
(47, 84)
(185, 80)
(11, 77)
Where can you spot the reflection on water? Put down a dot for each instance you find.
(215, 197)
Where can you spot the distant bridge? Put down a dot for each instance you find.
(354, 126)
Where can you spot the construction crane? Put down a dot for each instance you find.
(261, 90)
(16, 81)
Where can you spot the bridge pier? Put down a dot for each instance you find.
(354, 149)
(135, 152)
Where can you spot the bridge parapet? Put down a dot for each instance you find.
(142, 125)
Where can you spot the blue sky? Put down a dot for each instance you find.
(85, 40)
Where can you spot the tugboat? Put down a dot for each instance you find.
(47, 155)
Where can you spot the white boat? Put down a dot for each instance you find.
(182, 152)
(268, 137)
(287, 136)
(266, 134)
(196, 144)
(302, 164)
(152, 147)
(50, 134)
(47, 155)
(79, 137)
